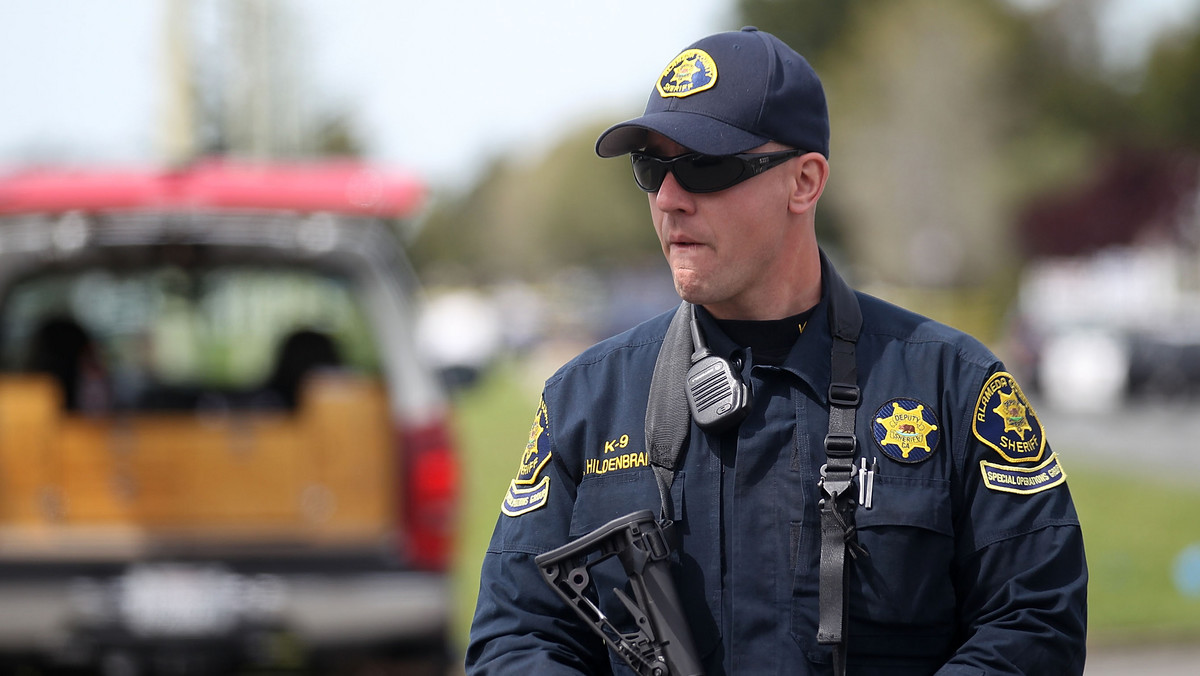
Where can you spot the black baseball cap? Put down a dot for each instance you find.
(729, 93)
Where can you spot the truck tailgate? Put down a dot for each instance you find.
(84, 487)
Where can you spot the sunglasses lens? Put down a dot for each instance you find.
(695, 173)
(704, 173)
(708, 173)
(649, 172)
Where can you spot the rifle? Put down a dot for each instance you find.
(661, 645)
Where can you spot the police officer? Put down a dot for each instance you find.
(962, 552)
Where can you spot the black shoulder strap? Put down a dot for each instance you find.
(667, 416)
(841, 445)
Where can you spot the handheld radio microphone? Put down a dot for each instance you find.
(716, 395)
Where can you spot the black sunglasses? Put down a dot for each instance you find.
(704, 173)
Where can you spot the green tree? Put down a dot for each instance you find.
(811, 27)
(531, 219)
(920, 98)
(946, 116)
(1170, 93)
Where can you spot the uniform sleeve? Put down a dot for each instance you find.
(1021, 573)
(521, 626)
(1024, 606)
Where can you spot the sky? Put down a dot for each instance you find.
(439, 87)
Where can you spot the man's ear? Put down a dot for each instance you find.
(811, 171)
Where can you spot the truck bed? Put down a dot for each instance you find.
(74, 486)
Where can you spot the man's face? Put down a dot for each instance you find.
(729, 250)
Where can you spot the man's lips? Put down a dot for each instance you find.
(682, 242)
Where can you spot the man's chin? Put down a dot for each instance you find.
(690, 287)
(689, 293)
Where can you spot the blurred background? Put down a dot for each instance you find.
(1026, 170)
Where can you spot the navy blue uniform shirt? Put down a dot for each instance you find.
(976, 562)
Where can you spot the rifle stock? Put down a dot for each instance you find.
(661, 644)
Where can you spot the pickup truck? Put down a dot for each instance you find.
(220, 446)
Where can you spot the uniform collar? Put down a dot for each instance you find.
(810, 356)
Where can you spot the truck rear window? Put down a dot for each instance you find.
(171, 337)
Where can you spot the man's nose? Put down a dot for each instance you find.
(671, 196)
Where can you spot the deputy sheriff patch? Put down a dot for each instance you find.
(1005, 421)
(906, 430)
(691, 72)
(526, 493)
(1023, 480)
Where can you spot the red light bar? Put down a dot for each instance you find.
(344, 187)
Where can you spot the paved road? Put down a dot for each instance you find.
(1159, 661)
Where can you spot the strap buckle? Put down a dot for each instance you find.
(841, 394)
(836, 483)
(837, 507)
(840, 445)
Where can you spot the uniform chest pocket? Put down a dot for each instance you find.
(905, 584)
(912, 502)
(602, 498)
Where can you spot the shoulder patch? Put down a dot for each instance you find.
(518, 500)
(1005, 421)
(1023, 480)
(525, 492)
(691, 72)
(906, 430)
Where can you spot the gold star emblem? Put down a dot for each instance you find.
(1012, 411)
(907, 429)
(684, 73)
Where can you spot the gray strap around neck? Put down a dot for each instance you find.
(667, 416)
